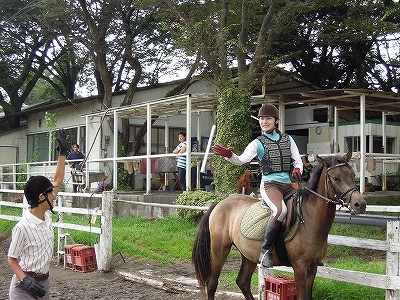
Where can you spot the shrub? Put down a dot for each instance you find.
(196, 198)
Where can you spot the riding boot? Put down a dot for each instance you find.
(270, 235)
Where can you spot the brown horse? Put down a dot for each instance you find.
(219, 229)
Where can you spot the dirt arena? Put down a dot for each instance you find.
(155, 282)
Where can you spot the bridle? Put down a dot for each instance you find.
(337, 200)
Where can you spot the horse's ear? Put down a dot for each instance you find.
(348, 156)
(320, 160)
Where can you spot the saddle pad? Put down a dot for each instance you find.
(255, 221)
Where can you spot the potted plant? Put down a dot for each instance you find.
(368, 186)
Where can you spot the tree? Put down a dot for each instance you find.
(341, 44)
(227, 34)
(70, 68)
(23, 50)
(36, 65)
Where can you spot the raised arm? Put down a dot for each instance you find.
(62, 149)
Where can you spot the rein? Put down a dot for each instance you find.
(337, 200)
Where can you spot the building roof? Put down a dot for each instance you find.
(343, 99)
(277, 80)
(164, 107)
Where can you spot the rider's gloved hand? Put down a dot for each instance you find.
(62, 140)
(222, 151)
(33, 287)
(296, 174)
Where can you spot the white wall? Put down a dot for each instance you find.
(17, 139)
(68, 116)
(301, 117)
(145, 95)
(8, 154)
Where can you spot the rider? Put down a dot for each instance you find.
(278, 158)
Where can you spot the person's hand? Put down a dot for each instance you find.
(296, 174)
(33, 287)
(62, 140)
(222, 151)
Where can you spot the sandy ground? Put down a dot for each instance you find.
(155, 283)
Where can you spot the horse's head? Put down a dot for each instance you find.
(340, 183)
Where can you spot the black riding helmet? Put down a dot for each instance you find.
(35, 186)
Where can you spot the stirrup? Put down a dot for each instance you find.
(267, 256)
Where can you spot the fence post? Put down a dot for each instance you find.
(104, 262)
(393, 256)
(262, 273)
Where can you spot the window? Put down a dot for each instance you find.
(71, 132)
(82, 139)
(38, 144)
(38, 147)
(353, 143)
(377, 145)
(73, 139)
(320, 115)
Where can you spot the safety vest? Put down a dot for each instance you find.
(277, 155)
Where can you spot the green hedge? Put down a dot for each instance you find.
(196, 198)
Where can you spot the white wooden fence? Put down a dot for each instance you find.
(390, 281)
(105, 229)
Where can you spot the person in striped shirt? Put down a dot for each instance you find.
(31, 247)
(181, 148)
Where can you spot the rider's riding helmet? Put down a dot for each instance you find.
(268, 110)
(35, 186)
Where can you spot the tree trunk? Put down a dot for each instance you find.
(234, 130)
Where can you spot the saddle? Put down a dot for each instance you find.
(256, 217)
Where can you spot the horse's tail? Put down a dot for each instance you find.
(201, 253)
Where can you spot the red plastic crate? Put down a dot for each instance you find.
(280, 288)
(85, 269)
(68, 255)
(84, 258)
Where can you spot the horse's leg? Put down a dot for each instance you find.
(304, 277)
(219, 257)
(243, 279)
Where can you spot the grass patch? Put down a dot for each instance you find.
(360, 231)
(6, 227)
(325, 289)
(164, 241)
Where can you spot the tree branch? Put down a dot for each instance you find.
(221, 42)
(261, 48)
(243, 39)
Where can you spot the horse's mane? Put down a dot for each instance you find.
(317, 170)
(314, 177)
